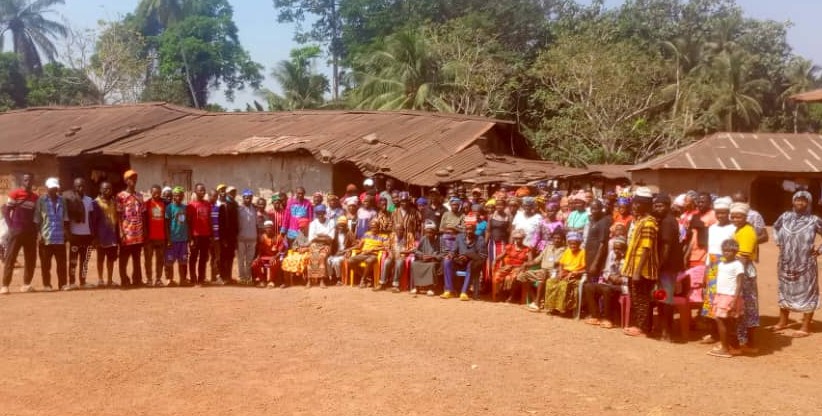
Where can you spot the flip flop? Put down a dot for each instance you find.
(606, 325)
(634, 332)
(799, 334)
(719, 353)
(593, 321)
(777, 328)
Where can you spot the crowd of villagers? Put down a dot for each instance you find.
(618, 260)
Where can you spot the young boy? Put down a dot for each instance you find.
(177, 236)
(726, 304)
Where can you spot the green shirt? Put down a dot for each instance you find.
(177, 222)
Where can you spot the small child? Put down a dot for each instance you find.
(727, 302)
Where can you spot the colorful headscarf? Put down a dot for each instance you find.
(522, 191)
(422, 201)
(351, 200)
(429, 225)
(178, 190)
(574, 236)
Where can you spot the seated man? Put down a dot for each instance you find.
(547, 261)
(368, 250)
(469, 255)
(270, 246)
(561, 292)
(427, 258)
(344, 241)
(608, 287)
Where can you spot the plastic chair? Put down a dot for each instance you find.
(376, 272)
(692, 298)
(581, 285)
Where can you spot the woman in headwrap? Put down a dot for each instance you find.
(365, 214)
(510, 264)
(295, 261)
(266, 266)
(427, 258)
(794, 232)
(578, 218)
(549, 225)
(351, 205)
(497, 234)
(453, 218)
(407, 223)
(746, 236)
(277, 211)
(320, 233)
(622, 214)
(561, 293)
(528, 220)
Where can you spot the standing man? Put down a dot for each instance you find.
(217, 199)
(228, 237)
(596, 241)
(79, 207)
(19, 216)
(131, 211)
(199, 215)
(641, 262)
(155, 248)
(105, 227)
(247, 235)
(178, 233)
(50, 216)
(386, 194)
(669, 251)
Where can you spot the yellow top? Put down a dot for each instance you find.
(747, 240)
(572, 262)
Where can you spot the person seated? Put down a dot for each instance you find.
(344, 240)
(270, 248)
(368, 250)
(469, 254)
(607, 289)
(509, 264)
(427, 258)
(561, 292)
(295, 261)
(547, 261)
(453, 218)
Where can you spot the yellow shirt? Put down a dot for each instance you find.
(374, 242)
(642, 237)
(747, 240)
(572, 262)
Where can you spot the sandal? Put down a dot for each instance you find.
(719, 352)
(634, 332)
(707, 339)
(606, 325)
(593, 321)
(799, 334)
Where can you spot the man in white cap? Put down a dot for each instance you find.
(78, 208)
(50, 217)
(641, 262)
(19, 215)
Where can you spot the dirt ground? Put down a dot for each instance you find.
(346, 351)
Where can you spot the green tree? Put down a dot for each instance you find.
(32, 32)
(156, 15)
(203, 49)
(13, 88)
(402, 74)
(302, 86)
(60, 85)
(800, 76)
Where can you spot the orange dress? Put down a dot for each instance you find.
(514, 258)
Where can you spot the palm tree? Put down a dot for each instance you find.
(734, 96)
(31, 31)
(302, 86)
(800, 76)
(156, 15)
(403, 74)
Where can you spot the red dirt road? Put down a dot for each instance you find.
(346, 351)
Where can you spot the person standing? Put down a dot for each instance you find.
(246, 236)
(155, 246)
(51, 217)
(177, 233)
(105, 228)
(199, 215)
(229, 229)
(131, 210)
(78, 207)
(217, 198)
(297, 208)
(798, 290)
(641, 262)
(669, 252)
(19, 216)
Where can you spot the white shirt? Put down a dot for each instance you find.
(716, 235)
(83, 228)
(727, 275)
(528, 224)
(316, 228)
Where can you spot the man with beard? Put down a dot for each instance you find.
(698, 229)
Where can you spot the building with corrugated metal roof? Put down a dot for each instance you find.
(320, 150)
(766, 166)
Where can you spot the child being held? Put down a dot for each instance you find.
(727, 303)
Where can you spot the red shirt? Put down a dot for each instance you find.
(156, 219)
(199, 214)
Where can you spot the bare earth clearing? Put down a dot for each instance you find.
(348, 351)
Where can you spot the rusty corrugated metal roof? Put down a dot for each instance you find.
(813, 96)
(611, 171)
(769, 152)
(69, 131)
(517, 171)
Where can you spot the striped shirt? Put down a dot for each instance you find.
(50, 215)
(642, 237)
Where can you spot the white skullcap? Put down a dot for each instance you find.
(52, 183)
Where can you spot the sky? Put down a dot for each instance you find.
(269, 42)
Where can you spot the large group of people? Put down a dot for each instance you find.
(615, 259)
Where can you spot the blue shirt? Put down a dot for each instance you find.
(50, 216)
(177, 223)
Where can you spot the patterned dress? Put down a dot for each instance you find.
(797, 269)
(748, 246)
(514, 258)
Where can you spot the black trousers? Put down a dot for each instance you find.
(131, 251)
(198, 259)
(227, 253)
(27, 242)
(641, 303)
(79, 255)
(58, 252)
(155, 252)
(609, 294)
